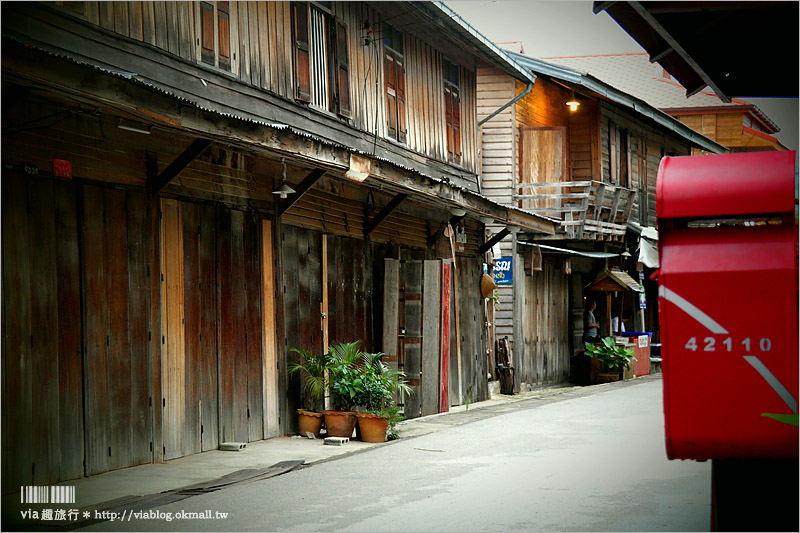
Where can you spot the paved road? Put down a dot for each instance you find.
(589, 463)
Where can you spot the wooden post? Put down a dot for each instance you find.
(323, 309)
(451, 236)
(270, 361)
(608, 311)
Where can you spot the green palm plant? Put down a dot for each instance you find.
(313, 369)
(345, 380)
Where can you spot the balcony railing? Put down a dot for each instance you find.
(589, 210)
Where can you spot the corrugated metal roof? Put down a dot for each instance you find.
(636, 75)
(492, 49)
(135, 78)
(614, 94)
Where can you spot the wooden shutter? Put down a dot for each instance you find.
(301, 53)
(391, 93)
(453, 118)
(207, 33)
(400, 77)
(448, 117)
(612, 153)
(342, 70)
(224, 35)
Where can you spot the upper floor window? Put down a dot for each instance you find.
(452, 103)
(321, 65)
(215, 34)
(394, 75)
(619, 155)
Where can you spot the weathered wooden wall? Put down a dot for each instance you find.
(75, 324)
(647, 146)
(415, 295)
(498, 167)
(262, 56)
(213, 371)
(544, 359)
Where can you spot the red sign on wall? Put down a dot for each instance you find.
(62, 168)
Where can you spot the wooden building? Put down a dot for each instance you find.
(189, 189)
(737, 124)
(585, 154)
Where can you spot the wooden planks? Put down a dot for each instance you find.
(192, 433)
(391, 311)
(431, 337)
(254, 319)
(68, 299)
(270, 360)
(207, 334)
(546, 317)
(17, 329)
(411, 272)
(173, 401)
(302, 294)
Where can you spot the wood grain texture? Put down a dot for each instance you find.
(173, 401)
(17, 330)
(431, 338)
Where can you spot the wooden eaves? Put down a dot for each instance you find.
(172, 112)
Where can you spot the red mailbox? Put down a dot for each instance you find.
(728, 301)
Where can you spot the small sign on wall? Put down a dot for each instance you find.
(503, 271)
(62, 168)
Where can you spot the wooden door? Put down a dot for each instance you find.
(416, 331)
(42, 392)
(114, 252)
(219, 373)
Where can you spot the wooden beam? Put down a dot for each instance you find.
(456, 220)
(155, 184)
(385, 212)
(499, 236)
(313, 177)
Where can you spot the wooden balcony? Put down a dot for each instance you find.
(588, 210)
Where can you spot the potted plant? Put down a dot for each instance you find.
(378, 386)
(312, 369)
(345, 385)
(611, 358)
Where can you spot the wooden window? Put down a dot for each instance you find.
(619, 142)
(215, 34)
(543, 159)
(342, 70)
(321, 67)
(302, 73)
(395, 82)
(452, 112)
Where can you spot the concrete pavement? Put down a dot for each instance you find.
(156, 478)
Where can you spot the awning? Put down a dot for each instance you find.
(614, 280)
(553, 249)
(648, 247)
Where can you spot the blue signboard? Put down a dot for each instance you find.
(503, 271)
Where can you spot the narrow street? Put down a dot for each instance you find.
(589, 463)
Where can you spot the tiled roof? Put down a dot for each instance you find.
(634, 74)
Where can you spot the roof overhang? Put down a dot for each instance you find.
(722, 45)
(90, 82)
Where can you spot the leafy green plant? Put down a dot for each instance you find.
(613, 358)
(394, 417)
(468, 398)
(380, 383)
(313, 370)
(345, 379)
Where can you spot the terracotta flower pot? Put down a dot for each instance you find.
(373, 427)
(340, 423)
(308, 421)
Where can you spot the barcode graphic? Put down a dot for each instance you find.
(40, 494)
